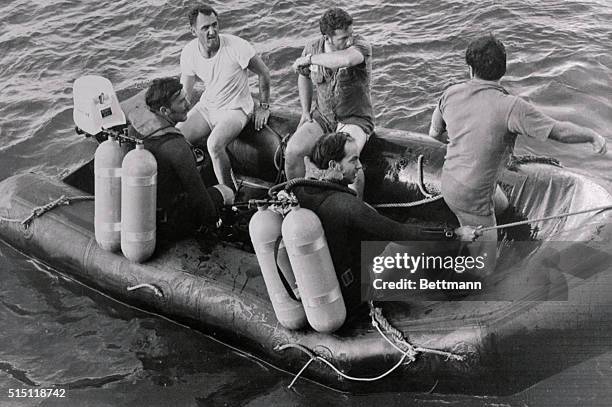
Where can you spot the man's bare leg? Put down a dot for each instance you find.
(300, 145)
(196, 128)
(225, 131)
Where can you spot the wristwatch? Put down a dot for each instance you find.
(264, 105)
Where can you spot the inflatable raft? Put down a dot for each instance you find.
(502, 346)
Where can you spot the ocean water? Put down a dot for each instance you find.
(54, 332)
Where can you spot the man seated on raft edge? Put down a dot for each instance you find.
(183, 203)
(222, 62)
(346, 219)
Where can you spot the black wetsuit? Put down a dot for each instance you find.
(182, 200)
(347, 221)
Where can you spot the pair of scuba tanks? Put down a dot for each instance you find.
(125, 190)
(126, 199)
(297, 268)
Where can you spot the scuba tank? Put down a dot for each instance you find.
(314, 271)
(107, 181)
(138, 204)
(265, 232)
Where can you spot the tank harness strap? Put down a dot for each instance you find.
(280, 272)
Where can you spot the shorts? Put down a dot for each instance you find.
(215, 116)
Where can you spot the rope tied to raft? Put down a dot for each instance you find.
(41, 210)
(409, 204)
(397, 340)
(560, 215)
(429, 197)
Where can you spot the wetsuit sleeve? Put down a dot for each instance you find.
(367, 222)
(181, 158)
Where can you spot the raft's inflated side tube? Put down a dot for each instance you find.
(107, 187)
(221, 195)
(138, 204)
(314, 271)
(265, 232)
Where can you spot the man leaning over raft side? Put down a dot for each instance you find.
(480, 120)
(338, 65)
(222, 62)
(346, 219)
(183, 204)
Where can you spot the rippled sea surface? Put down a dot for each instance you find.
(54, 332)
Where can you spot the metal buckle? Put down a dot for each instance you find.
(347, 278)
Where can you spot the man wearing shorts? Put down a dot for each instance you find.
(338, 66)
(222, 62)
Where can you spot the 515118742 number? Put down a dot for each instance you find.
(36, 393)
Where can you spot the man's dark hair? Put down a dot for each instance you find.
(334, 19)
(204, 9)
(487, 57)
(329, 147)
(161, 91)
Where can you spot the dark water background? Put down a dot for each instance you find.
(54, 332)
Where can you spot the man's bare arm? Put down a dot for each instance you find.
(332, 60)
(569, 133)
(257, 66)
(188, 82)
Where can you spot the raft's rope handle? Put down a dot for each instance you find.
(429, 197)
(561, 215)
(279, 159)
(409, 204)
(421, 182)
(41, 210)
(158, 292)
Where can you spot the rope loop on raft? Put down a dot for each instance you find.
(409, 204)
(41, 210)
(397, 340)
(156, 290)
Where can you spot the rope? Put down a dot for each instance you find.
(279, 154)
(561, 215)
(399, 343)
(151, 287)
(379, 320)
(41, 210)
(314, 357)
(409, 204)
(422, 188)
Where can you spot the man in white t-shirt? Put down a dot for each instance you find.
(222, 62)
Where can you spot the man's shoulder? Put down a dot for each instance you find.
(232, 40)
(191, 46)
(363, 45)
(361, 40)
(314, 45)
(456, 87)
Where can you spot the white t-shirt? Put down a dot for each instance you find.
(225, 75)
